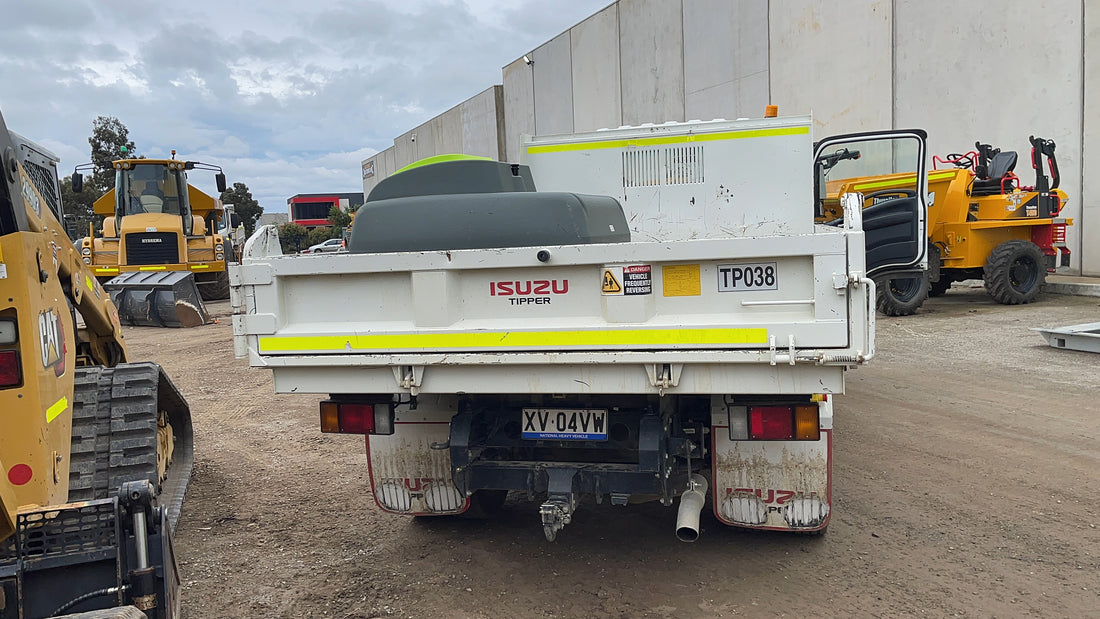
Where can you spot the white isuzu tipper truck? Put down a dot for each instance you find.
(663, 318)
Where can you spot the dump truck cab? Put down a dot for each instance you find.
(155, 221)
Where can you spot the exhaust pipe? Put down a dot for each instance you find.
(691, 504)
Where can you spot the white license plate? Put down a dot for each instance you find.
(741, 277)
(565, 424)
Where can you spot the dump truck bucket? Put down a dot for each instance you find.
(157, 299)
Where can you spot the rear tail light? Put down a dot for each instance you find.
(11, 373)
(9, 332)
(783, 422)
(356, 418)
(1059, 235)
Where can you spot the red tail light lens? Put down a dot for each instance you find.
(771, 423)
(11, 374)
(791, 422)
(356, 418)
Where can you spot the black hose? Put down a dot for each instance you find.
(88, 596)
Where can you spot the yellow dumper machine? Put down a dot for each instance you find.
(95, 452)
(159, 252)
(983, 221)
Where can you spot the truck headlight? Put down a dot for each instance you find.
(219, 256)
(87, 251)
(87, 260)
(219, 247)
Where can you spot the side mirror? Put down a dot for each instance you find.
(234, 220)
(220, 179)
(78, 182)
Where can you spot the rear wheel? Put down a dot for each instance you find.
(485, 504)
(940, 288)
(901, 296)
(216, 289)
(1015, 272)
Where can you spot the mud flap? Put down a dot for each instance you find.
(157, 299)
(410, 471)
(777, 485)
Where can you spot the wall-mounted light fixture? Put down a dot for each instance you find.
(528, 60)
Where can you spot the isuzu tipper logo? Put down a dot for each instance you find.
(529, 292)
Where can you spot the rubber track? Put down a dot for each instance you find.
(114, 438)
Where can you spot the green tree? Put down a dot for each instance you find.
(338, 219)
(246, 207)
(110, 140)
(291, 237)
(78, 209)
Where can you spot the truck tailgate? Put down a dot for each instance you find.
(705, 303)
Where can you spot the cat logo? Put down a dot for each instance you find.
(52, 335)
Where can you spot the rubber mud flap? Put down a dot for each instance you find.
(157, 299)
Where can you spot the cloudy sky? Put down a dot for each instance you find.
(288, 96)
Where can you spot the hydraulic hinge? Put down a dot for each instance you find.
(778, 357)
(409, 377)
(664, 375)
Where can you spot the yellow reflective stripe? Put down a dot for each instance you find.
(900, 181)
(106, 270)
(673, 139)
(55, 410)
(200, 266)
(152, 268)
(88, 283)
(512, 339)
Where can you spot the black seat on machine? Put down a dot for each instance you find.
(999, 166)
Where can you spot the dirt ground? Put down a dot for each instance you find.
(967, 483)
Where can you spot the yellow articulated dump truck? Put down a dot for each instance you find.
(157, 227)
(95, 451)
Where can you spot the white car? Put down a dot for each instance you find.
(331, 245)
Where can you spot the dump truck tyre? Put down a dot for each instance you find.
(217, 290)
(1015, 272)
(901, 296)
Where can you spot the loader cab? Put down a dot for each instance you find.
(151, 188)
(888, 169)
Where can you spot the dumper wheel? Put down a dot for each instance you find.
(1015, 272)
(217, 289)
(901, 296)
(940, 288)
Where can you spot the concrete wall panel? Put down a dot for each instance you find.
(597, 102)
(519, 106)
(447, 132)
(651, 52)
(423, 140)
(553, 81)
(833, 59)
(404, 147)
(1010, 86)
(480, 124)
(725, 59)
(1088, 226)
